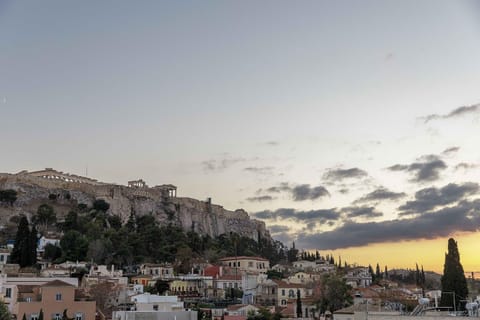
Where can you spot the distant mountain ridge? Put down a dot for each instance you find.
(68, 191)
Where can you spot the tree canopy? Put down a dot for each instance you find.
(25, 249)
(454, 283)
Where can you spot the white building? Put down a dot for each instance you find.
(153, 302)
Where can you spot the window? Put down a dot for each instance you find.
(283, 292)
(78, 316)
(34, 316)
(250, 264)
(57, 316)
(284, 302)
(58, 296)
(28, 299)
(291, 294)
(155, 307)
(1, 257)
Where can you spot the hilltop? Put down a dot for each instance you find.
(66, 192)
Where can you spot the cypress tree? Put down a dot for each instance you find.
(299, 305)
(22, 251)
(453, 281)
(33, 245)
(370, 270)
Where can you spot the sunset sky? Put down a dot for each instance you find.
(348, 126)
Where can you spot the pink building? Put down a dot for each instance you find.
(53, 298)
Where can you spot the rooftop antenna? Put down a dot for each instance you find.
(86, 171)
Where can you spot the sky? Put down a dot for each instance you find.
(349, 127)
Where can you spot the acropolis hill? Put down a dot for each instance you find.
(35, 188)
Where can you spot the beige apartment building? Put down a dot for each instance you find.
(248, 264)
(53, 298)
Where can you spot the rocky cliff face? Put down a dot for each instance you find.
(200, 216)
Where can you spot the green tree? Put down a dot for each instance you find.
(45, 216)
(4, 313)
(52, 252)
(454, 283)
(33, 245)
(74, 246)
(335, 293)
(71, 221)
(299, 304)
(24, 251)
(370, 270)
(272, 274)
(8, 196)
(40, 316)
(101, 205)
(262, 314)
(161, 286)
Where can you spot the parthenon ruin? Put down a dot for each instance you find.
(50, 174)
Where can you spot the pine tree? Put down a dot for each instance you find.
(454, 283)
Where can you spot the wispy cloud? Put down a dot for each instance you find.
(260, 199)
(423, 171)
(450, 150)
(361, 212)
(260, 170)
(380, 194)
(341, 174)
(300, 192)
(458, 112)
(213, 165)
(322, 215)
(466, 166)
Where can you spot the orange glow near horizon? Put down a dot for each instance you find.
(405, 254)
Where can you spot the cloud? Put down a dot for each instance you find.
(341, 174)
(260, 198)
(380, 194)
(321, 215)
(458, 112)
(300, 192)
(272, 143)
(450, 150)
(220, 165)
(428, 170)
(466, 166)
(278, 229)
(464, 217)
(361, 212)
(305, 192)
(283, 186)
(260, 170)
(430, 198)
